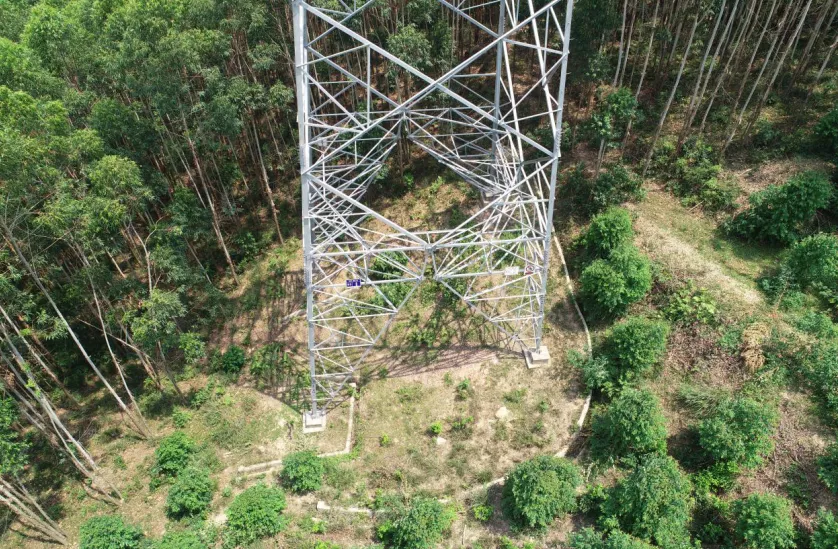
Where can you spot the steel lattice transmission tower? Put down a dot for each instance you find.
(477, 119)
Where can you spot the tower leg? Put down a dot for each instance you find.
(538, 358)
(314, 421)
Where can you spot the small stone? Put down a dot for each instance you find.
(503, 413)
(440, 441)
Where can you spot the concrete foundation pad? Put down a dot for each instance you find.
(314, 423)
(538, 358)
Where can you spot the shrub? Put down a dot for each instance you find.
(588, 538)
(738, 430)
(826, 132)
(483, 512)
(419, 526)
(763, 521)
(594, 370)
(609, 286)
(539, 490)
(109, 532)
(779, 213)
(191, 493)
(690, 305)
(653, 502)
(825, 535)
(181, 540)
(254, 514)
(634, 346)
(813, 262)
(828, 467)
(613, 186)
(632, 425)
(302, 472)
(820, 369)
(233, 359)
(173, 454)
(607, 232)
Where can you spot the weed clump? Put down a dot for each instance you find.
(652, 503)
(609, 286)
(738, 431)
(588, 538)
(173, 454)
(780, 213)
(254, 514)
(633, 347)
(540, 490)
(828, 467)
(764, 521)
(233, 360)
(302, 472)
(109, 532)
(633, 425)
(191, 493)
(420, 525)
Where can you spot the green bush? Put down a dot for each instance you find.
(819, 368)
(828, 467)
(302, 472)
(539, 490)
(826, 132)
(690, 306)
(632, 425)
(825, 535)
(421, 525)
(738, 430)
(780, 213)
(254, 514)
(191, 493)
(763, 521)
(233, 359)
(109, 532)
(613, 186)
(173, 454)
(608, 231)
(652, 503)
(633, 347)
(813, 262)
(186, 539)
(588, 538)
(609, 286)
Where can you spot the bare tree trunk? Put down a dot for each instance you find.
(33, 352)
(671, 96)
(735, 124)
(823, 66)
(777, 69)
(813, 37)
(628, 42)
(694, 98)
(622, 36)
(16, 498)
(42, 288)
(723, 75)
(268, 192)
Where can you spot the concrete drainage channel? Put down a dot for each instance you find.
(268, 467)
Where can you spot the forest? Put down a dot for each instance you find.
(153, 349)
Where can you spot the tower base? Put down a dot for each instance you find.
(538, 358)
(314, 422)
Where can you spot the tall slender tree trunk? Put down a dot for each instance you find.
(671, 96)
(694, 98)
(37, 279)
(779, 66)
(620, 51)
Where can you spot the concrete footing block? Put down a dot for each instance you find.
(314, 422)
(537, 358)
